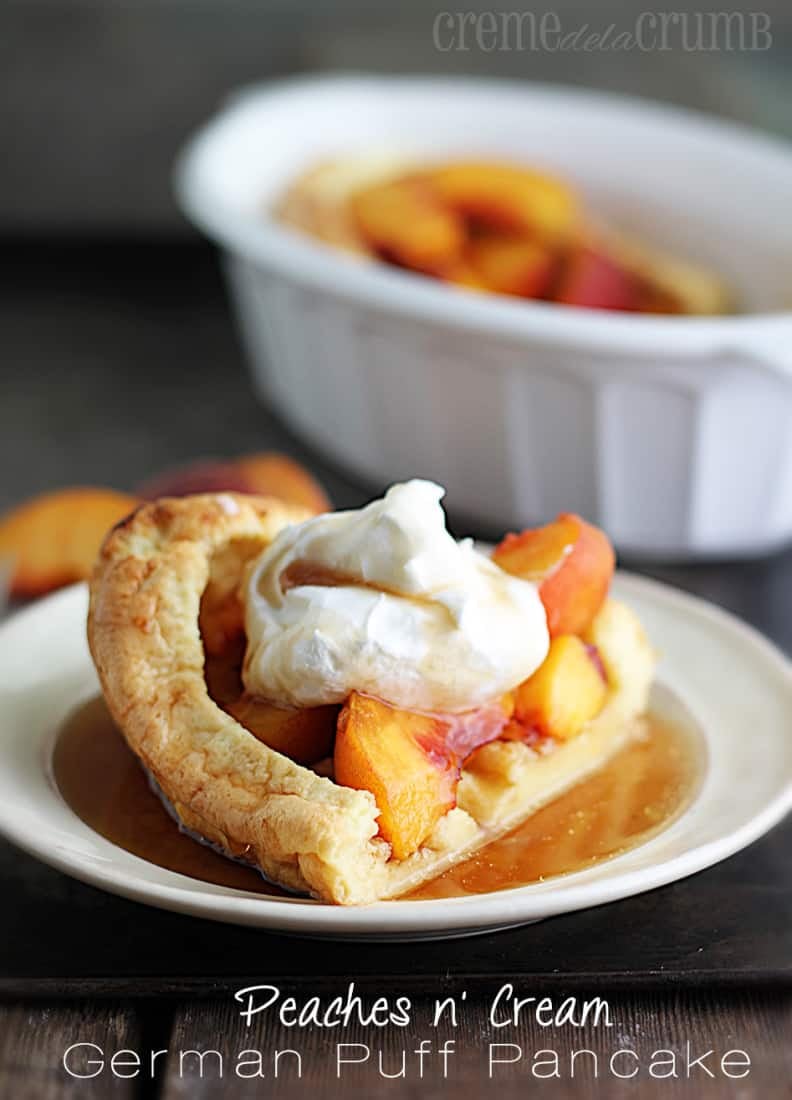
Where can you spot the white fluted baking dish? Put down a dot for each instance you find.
(674, 433)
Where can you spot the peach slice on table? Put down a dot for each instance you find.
(277, 475)
(565, 693)
(265, 474)
(53, 539)
(403, 221)
(572, 562)
(205, 476)
(508, 198)
(305, 735)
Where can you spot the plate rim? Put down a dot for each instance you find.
(387, 919)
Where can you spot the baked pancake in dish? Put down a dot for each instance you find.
(405, 698)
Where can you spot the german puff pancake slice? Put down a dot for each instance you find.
(301, 829)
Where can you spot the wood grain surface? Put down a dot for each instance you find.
(729, 925)
(33, 1040)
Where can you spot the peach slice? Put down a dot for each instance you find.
(402, 759)
(572, 562)
(508, 198)
(222, 623)
(564, 693)
(469, 731)
(54, 539)
(304, 735)
(401, 220)
(277, 475)
(594, 280)
(267, 474)
(462, 273)
(410, 762)
(223, 674)
(204, 476)
(508, 265)
(516, 731)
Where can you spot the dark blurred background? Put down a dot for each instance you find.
(118, 355)
(98, 94)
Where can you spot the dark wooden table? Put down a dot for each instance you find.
(115, 362)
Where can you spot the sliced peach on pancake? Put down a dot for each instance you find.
(508, 198)
(222, 623)
(401, 757)
(402, 221)
(572, 562)
(54, 539)
(410, 762)
(565, 692)
(472, 729)
(527, 734)
(305, 735)
(223, 674)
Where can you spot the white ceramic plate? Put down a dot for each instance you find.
(715, 673)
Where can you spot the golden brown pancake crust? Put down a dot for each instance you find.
(145, 640)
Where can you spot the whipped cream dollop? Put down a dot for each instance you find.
(384, 600)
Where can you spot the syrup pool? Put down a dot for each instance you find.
(632, 797)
